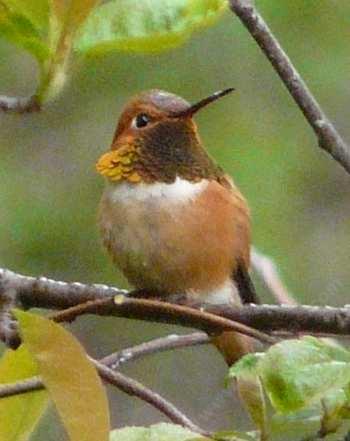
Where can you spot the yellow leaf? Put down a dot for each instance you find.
(19, 414)
(68, 375)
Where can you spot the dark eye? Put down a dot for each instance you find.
(141, 120)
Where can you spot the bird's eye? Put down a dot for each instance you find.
(141, 120)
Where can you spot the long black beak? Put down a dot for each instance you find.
(202, 103)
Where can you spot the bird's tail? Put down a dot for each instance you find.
(233, 345)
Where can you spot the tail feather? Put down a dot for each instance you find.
(233, 345)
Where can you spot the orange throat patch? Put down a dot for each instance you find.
(118, 165)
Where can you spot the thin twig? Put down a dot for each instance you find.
(123, 356)
(268, 272)
(328, 137)
(161, 312)
(119, 380)
(172, 341)
(19, 104)
(117, 359)
(21, 387)
(133, 387)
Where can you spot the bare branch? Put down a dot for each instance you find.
(117, 359)
(133, 387)
(19, 104)
(21, 387)
(8, 325)
(172, 341)
(303, 319)
(41, 292)
(123, 383)
(268, 318)
(161, 312)
(328, 137)
(267, 270)
(45, 293)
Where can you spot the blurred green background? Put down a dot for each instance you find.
(299, 196)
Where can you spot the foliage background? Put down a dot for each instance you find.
(299, 197)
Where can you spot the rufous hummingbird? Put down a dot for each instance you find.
(172, 220)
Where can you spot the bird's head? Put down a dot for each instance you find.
(157, 140)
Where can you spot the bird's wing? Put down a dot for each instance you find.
(240, 274)
(244, 284)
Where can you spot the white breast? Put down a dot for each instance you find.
(180, 191)
(148, 228)
(135, 225)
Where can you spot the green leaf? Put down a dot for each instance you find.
(69, 376)
(36, 11)
(300, 376)
(147, 26)
(72, 14)
(298, 373)
(247, 365)
(329, 347)
(236, 436)
(335, 408)
(65, 19)
(17, 28)
(245, 371)
(157, 432)
(295, 426)
(19, 414)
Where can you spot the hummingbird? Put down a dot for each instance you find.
(172, 220)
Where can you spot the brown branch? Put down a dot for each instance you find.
(116, 359)
(134, 388)
(19, 104)
(303, 319)
(21, 387)
(45, 293)
(267, 270)
(16, 289)
(328, 137)
(161, 312)
(41, 292)
(268, 318)
(119, 380)
(172, 341)
(8, 325)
